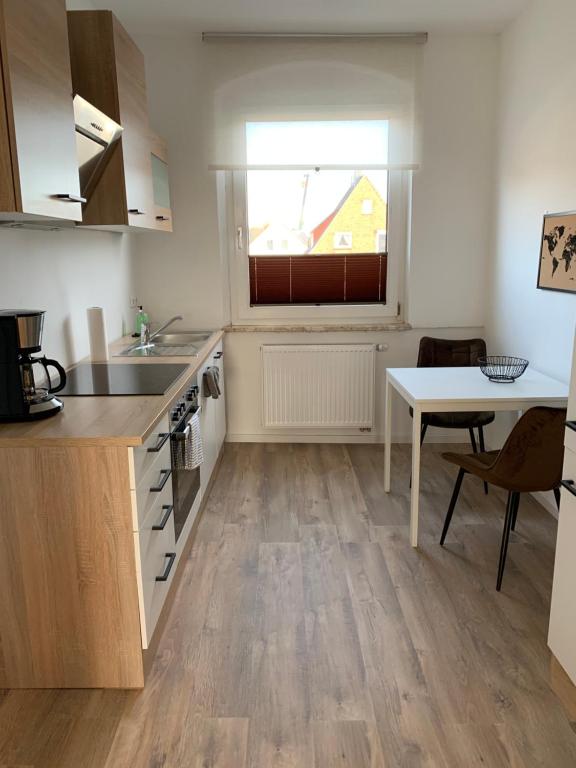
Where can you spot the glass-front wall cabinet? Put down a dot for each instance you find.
(161, 184)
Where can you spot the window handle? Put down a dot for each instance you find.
(240, 238)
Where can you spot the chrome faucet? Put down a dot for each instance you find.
(152, 336)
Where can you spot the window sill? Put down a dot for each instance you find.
(318, 328)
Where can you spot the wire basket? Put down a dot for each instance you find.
(502, 368)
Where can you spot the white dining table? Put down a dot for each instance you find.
(433, 390)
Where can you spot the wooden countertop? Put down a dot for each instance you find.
(116, 420)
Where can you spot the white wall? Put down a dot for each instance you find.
(64, 273)
(452, 198)
(536, 173)
(185, 273)
(182, 273)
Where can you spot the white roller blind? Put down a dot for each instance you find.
(330, 81)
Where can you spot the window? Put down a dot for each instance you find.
(328, 226)
(342, 241)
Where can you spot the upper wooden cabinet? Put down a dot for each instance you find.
(38, 164)
(160, 183)
(108, 71)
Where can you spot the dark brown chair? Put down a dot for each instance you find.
(450, 353)
(530, 461)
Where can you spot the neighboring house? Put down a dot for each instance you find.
(357, 225)
(278, 240)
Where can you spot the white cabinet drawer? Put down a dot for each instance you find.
(562, 634)
(154, 489)
(156, 565)
(158, 443)
(149, 505)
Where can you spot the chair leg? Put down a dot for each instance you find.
(515, 515)
(473, 440)
(513, 498)
(482, 449)
(557, 496)
(453, 501)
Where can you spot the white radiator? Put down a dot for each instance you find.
(318, 385)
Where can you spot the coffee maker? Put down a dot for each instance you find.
(21, 399)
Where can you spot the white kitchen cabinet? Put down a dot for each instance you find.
(562, 631)
(213, 418)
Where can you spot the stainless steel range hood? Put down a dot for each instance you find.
(95, 136)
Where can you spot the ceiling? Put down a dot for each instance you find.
(181, 16)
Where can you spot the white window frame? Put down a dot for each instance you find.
(242, 313)
(234, 226)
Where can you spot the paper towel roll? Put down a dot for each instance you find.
(97, 334)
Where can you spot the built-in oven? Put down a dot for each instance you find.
(185, 482)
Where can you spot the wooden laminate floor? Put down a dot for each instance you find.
(307, 633)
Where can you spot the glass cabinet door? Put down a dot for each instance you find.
(160, 182)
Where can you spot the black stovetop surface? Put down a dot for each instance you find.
(121, 379)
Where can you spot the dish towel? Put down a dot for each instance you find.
(211, 382)
(188, 453)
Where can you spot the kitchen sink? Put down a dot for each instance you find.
(182, 344)
(177, 339)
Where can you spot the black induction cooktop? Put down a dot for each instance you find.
(121, 379)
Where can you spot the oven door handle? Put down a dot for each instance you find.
(182, 435)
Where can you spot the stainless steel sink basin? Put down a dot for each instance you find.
(179, 338)
(183, 344)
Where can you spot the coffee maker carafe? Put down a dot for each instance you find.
(21, 398)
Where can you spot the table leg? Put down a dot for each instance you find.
(387, 435)
(415, 490)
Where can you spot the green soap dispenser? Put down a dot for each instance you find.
(141, 319)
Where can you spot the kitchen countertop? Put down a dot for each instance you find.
(117, 420)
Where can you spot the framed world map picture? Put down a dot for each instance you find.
(557, 270)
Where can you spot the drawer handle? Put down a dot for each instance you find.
(571, 425)
(162, 437)
(218, 355)
(570, 486)
(162, 218)
(165, 517)
(136, 211)
(164, 475)
(171, 558)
